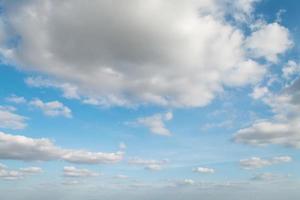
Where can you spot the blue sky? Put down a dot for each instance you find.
(157, 100)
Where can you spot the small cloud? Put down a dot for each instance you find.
(71, 171)
(10, 120)
(151, 165)
(16, 99)
(156, 123)
(52, 108)
(204, 170)
(256, 162)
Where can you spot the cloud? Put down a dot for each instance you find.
(11, 120)
(149, 54)
(156, 123)
(8, 174)
(71, 171)
(151, 165)
(204, 170)
(259, 92)
(283, 128)
(267, 177)
(256, 162)
(269, 41)
(69, 91)
(290, 69)
(52, 108)
(186, 182)
(17, 147)
(16, 99)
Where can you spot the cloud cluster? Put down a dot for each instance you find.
(283, 128)
(151, 165)
(10, 120)
(156, 123)
(17, 147)
(256, 162)
(9, 174)
(169, 53)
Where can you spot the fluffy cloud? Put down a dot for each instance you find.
(16, 147)
(52, 108)
(156, 123)
(256, 162)
(151, 165)
(11, 120)
(284, 128)
(71, 171)
(170, 53)
(204, 170)
(269, 41)
(9, 174)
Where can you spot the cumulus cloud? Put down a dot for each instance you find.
(204, 170)
(71, 171)
(169, 53)
(283, 128)
(156, 123)
(9, 174)
(10, 120)
(269, 41)
(17, 147)
(52, 108)
(256, 162)
(151, 165)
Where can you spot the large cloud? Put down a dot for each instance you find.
(174, 53)
(16, 147)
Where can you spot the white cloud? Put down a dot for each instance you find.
(52, 108)
(9, 174)
(69, 91)
(16, 99)
(283, 128)
(259, 92)
(204, 170)
(267, 177)
(256, 162)
(71, 171)
(170, 53)
(31, 170)
(269, 41)
(183, 183)
(16, 147)
(151, 165)
(290, 69)
(156, 123)
(11, 120)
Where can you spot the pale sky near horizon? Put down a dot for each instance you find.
(152, 100)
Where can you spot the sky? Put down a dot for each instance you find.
(152, 100)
